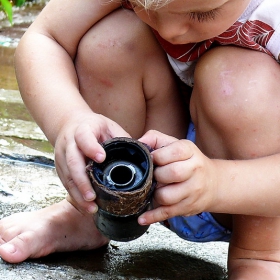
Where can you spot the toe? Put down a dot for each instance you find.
(7, 253)
(19, 248)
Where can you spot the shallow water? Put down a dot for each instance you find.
(7, 73)
(9, 38)
(12, 110)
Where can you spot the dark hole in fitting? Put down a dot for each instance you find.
(122, 175)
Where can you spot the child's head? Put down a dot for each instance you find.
(189, 21)
(151, 4)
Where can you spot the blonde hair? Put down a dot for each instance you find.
(151, 4)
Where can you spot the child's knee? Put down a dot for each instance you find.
(124, 74)
(230, 80)
(111, 46)
(237, 94)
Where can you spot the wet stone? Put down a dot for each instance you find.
(28, 181)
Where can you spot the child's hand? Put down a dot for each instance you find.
(186, 178)
(78, 140)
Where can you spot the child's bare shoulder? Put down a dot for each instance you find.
(66, 21)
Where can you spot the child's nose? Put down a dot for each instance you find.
(172, 32)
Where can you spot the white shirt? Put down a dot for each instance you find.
(258, 28)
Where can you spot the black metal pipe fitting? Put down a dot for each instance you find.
(123, 184)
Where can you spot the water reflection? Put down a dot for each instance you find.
(7, 72)
(9, 38)
(18, 128)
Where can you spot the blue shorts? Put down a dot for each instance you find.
(201, 227)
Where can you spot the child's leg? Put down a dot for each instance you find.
(124, 75)
(126, 78)
(254, 251)
(235, 106)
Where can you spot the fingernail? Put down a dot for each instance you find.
(89, 196)
(9, 248)
(99, 157)
(92, 209)
(142, 221)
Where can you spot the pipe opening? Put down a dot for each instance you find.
(121, 175)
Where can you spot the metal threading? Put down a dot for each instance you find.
(121, 175)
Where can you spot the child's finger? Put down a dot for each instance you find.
(171, 194)
(177, 151)
(175, 172)
(156, 139)
(76, 165)
(70, 186)
(159, 214)
(87, 142)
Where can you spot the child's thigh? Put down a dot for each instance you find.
(254, 251)
(235, 103)
(124, 74)
(255, 238)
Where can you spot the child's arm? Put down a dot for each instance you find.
(49, 87)
(190, 183)
(44, 61)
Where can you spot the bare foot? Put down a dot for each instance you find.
(58, 228)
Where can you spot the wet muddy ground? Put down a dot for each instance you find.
(28, 181)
